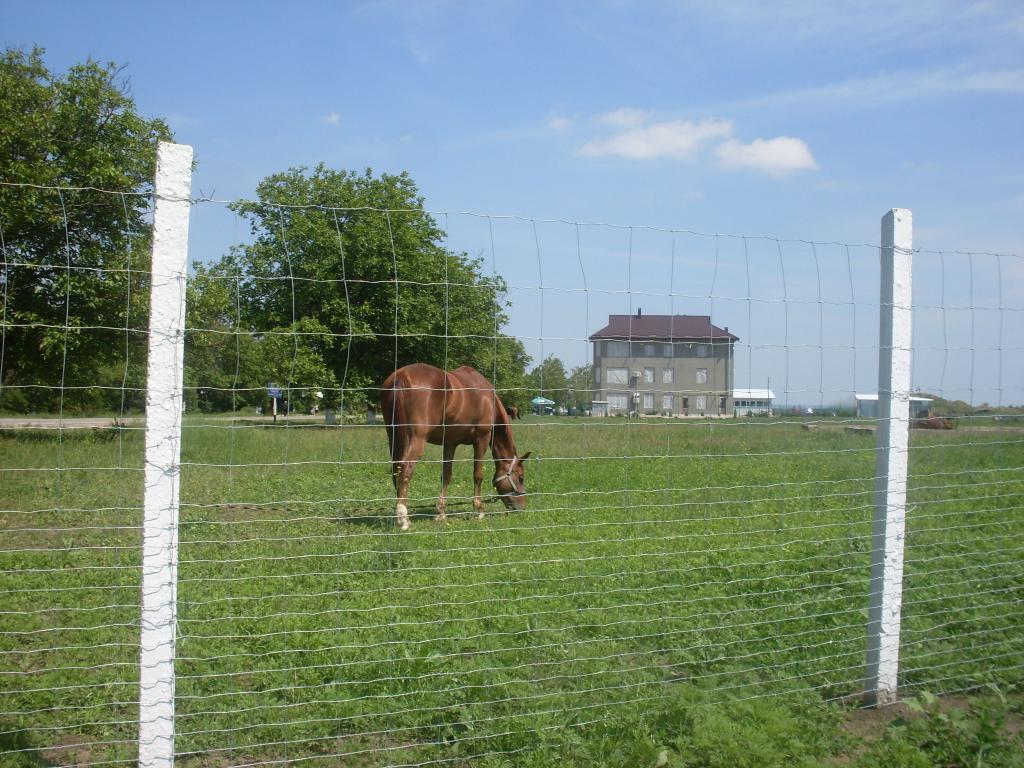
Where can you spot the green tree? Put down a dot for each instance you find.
(222, 362)
(76, 166)
(506, 368)
(358, 255)
(549, 380)
(581, 388)
(228, 366)
(294, 357)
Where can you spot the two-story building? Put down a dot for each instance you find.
(668, 365)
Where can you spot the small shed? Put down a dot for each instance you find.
(867, 406)
(752, 402)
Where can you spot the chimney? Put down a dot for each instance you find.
(639, 312)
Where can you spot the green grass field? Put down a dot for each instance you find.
(692, 591)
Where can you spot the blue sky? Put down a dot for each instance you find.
(805, 121)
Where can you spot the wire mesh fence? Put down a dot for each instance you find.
(700, 487)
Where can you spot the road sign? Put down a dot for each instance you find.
(273, 391)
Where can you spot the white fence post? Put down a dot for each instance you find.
(164, 385)
(888, 531)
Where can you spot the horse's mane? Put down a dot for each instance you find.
(502, 421)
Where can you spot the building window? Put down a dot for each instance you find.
(700, 402)
(617, 375)
(666, 350)
(648, 350)
(648, 375)
(648, 401)
(667, 376)
(597, 375)
(702, 351)
(667, 403)
(617, 402)
(617, 349)
(702, 375)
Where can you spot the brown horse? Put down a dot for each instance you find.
(424, 404)
(932, 422)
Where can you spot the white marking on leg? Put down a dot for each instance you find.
(403, 517)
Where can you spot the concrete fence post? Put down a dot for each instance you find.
(888, 530)
(164, 399)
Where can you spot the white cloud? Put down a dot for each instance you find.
(420, 51)
(625, 117)
(892, 88)
(559, 122)
(332, 118)
(780, 156)
(680, 139)
(869, 24)
(919, 165)
(685, 139)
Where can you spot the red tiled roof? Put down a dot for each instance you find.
(662, 328)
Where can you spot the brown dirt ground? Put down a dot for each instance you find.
(868, 724)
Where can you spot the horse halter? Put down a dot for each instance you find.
(508, 476)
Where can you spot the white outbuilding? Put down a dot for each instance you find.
(753, 402)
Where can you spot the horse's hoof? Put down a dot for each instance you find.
(404, 526)
(479, 515)
(441, 517)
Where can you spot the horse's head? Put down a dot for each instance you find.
(510, 481)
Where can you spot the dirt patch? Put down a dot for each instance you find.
(869, 723)
(70, 749)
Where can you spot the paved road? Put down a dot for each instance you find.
(83, 423)
(138, 422)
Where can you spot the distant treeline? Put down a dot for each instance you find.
(345, 278)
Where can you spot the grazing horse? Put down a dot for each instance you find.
(932, 422)
(424, 404)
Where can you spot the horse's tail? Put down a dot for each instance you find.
(393, 396)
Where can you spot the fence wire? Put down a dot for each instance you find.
(699, 504)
